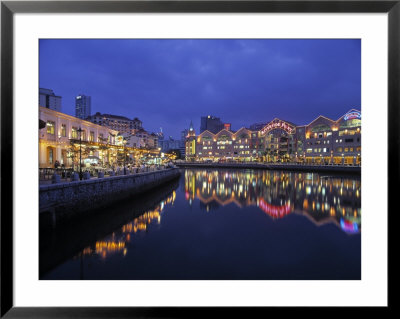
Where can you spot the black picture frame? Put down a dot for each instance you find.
(9, 8)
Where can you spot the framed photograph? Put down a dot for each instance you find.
(175, 158)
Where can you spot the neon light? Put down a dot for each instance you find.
(274, 211)
(352, 115)
(348, 226)
(277, 124)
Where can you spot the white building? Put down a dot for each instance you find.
(61, 130)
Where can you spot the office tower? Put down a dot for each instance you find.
(82, 106)
(211, 123)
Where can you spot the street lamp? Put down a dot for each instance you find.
(124, 142)
(80, 153)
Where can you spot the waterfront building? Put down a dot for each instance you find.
(49, 100)
(329, 141)
(59, 140)
(83, 106)
(150, 139)
(323, 141)
(190, 144)
(116, 122)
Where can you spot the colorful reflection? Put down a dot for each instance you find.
(117, 242)
(323, 199)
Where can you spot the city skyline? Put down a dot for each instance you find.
(168, 83)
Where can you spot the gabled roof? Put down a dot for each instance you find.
(321, 116)
(223, 131)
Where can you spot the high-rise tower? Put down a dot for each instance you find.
(83, 106)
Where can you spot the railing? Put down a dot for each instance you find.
(270, 163)
(46, 174)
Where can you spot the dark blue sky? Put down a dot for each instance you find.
(167, 83)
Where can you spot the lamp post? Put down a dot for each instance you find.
(124, 142)
(80, 153)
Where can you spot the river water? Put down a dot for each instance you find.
(217, 224)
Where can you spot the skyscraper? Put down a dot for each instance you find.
(211, 123)
(49, 100)
(83, 106)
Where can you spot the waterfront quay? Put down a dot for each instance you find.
(342, 169)
(65, 200)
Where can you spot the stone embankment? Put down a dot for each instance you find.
(70, 198)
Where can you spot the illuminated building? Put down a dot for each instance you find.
(49, 100)
(150, 139)
(323, 141)
(328, 141)
(190, 144)
(115, 122)
(61, 130)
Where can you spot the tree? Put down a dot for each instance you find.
(73, 154)
(175, 152)
(103, 147)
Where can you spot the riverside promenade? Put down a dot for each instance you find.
(339, 169)
(64, 200)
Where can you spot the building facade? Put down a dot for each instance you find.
(60, 139)
(83, 106)
(323, 141)
(116, 122)
(49, 100)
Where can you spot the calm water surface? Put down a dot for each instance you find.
(218, 224)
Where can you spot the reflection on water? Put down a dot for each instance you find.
(218, 224)
(117, 242)
(321, 198)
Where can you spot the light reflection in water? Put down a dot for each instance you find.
(116, 243)
(322, 199)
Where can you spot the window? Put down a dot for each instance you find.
(349, 140)
(63, 130)
(309, 150)
(50, 156)
(100, 137)
(50, 127)
(74, 132)
(83, 135)
(91, 136)
(346, 149)
(339, 149)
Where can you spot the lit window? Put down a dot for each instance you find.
(63, 130)
(50, 127)
(74, 132)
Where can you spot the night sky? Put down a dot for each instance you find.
(168, 83)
